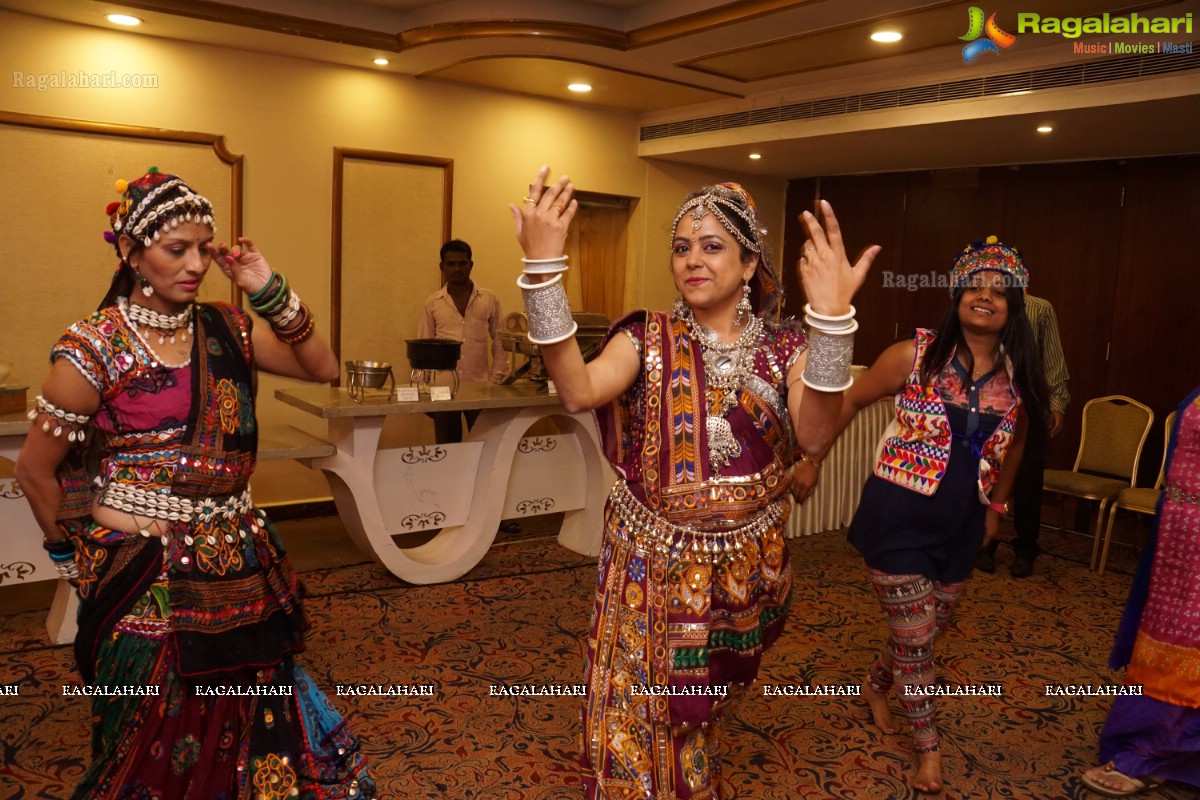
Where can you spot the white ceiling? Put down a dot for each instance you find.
(674, 60)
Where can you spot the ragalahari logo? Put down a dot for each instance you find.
(996, 38)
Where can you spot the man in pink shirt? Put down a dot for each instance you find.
(470, 314)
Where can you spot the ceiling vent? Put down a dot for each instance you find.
(1112, 69)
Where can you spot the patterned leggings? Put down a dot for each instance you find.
(917, 609)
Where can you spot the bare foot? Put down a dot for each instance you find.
(928, 777)
(879, 708)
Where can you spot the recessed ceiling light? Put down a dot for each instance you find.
(123, 19)
(381, 61)
(755, 156)
(1044, 129)
(579, 87)
(886, 36)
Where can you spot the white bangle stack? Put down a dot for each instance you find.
(830, 350)
(545, 266)
(546, 308)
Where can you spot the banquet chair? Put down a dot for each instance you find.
(1143, 501)
(1110, 446)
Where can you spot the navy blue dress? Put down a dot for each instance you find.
(903, 532)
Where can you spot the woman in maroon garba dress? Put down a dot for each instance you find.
(700, 412)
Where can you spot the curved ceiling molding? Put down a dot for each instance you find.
(547, 76)
(513, 29)
(288, 24)
(701, 21)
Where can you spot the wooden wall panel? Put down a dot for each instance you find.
(1155, 349)
(945, 211)
(1064, 218)
(801, 195)
(1110, 244)
(870, 211)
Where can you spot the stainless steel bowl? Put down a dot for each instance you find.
(363, 375)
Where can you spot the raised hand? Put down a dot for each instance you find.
(830, 283)
(243, 265)
(544, 216)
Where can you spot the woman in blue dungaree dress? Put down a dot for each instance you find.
(965, 397)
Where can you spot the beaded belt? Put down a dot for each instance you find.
(1177, 495)
(647, 530)
(166, 506)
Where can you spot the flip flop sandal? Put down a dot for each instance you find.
(1139, 784)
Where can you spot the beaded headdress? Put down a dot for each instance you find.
(152, 204)
(731, 203)
(989, 254)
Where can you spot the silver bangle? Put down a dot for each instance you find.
(829, 359)
(546, 308)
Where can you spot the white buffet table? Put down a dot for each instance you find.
(462, 490)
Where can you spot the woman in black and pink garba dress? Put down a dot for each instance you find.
(137, 468)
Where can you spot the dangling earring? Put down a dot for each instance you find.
(680, 307)
(744, 309)
(147, 289)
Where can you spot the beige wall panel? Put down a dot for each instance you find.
(52, 220)
(392, 226)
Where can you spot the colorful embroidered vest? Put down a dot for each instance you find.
(916, 448)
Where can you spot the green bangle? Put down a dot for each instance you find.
(257, 296)
(268, 289)
(268, 307)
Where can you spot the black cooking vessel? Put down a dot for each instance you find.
(440, 354)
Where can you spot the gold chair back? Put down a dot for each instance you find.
(1114, 431)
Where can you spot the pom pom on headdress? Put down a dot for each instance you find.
(121, 185)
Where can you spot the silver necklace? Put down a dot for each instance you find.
(727, 365)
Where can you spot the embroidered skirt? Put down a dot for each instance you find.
(680, 624)
(260, 731)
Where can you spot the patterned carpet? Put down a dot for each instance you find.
(518, 619)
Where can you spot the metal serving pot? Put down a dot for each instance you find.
(361, 375)
(433, 354)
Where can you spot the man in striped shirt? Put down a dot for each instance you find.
(1027, 491)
